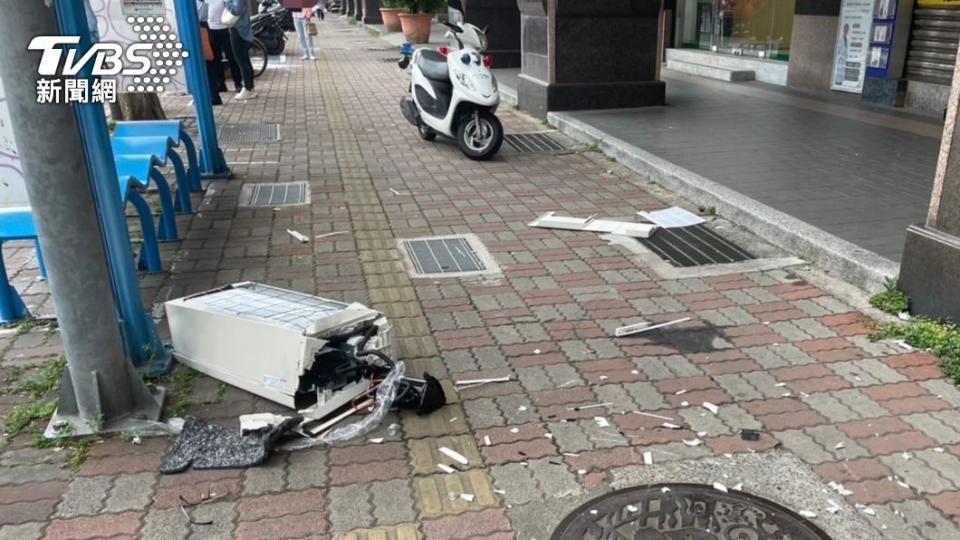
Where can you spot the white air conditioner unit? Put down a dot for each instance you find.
(261, 338)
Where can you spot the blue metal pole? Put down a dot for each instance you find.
(143, 345)
(212, 162)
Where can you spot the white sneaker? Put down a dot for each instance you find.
(305, 57)
(313, 58)
(246, 94)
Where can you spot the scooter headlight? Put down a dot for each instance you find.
(465, 80)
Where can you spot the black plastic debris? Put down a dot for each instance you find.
(750, 435)
(422, 395)
(209, 446)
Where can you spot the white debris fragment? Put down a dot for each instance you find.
(711, 407)
(903, 316)
(634, 372)
(299, 237)
(456, 456)
(581, 472)
(487, 441)
(807, 514)
(832, 506)
(701, 434)
(593, 512)
(907, 456)
(680, 392)
(904, 345)
(839, 445)
(632, 508)
(604, 377)
(376, 440)
(869, 511)
(446, 468)
(684, 403)
(780, 384)
(522, 408)
(624, 331)
(571, 382)
(738, 487)
(469, 497)
(693, 442)
(601, 421)
(664, 490)
(476, 382)
(669, 425)
(329, 234)
(454, 419)
(903, 484)
(838, 487)
(548, 435)
(651, 415)
(136, 440)
(648, 458)
(500, 492)
(514, 430)
(938, 450)
(571, 454)
(536, 351)
(720, 487)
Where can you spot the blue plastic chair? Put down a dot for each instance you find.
(173, 129)
(16, 223)
(161, 149)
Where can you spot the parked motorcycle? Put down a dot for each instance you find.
(267, 27)
(286, 20)
(454, 93)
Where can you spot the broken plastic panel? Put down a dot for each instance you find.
(625, 228)
(672, 218)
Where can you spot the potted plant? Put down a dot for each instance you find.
(417, 18)
(390, 12)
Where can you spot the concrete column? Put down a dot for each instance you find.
(812, 44)
(502, 19)
(589, 55)
(930, 273)
(371, 12)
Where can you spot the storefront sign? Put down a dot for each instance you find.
(850, 56)
(143, 7)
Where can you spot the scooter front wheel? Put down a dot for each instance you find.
(480, 135)
(426, 132)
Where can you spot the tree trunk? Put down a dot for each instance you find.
(130, 106)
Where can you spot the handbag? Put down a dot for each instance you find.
(229, 19)
(207, 45)
(312, 28)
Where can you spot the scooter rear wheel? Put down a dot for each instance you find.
(480, 135)
(426, 132)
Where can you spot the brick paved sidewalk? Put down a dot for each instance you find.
(782, 356)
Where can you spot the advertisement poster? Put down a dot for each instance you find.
(850, 55)
(13, 189)
(142, 7)
(113, 26)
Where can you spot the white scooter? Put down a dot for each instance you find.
(453, 92)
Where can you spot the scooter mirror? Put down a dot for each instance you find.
(404, 62)
(455, 4)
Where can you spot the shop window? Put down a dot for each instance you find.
(755, 28)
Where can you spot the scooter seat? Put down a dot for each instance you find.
(433, 65)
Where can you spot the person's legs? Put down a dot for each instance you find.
(241, 51)
(214, 81)
(221, 48)
(301, 26)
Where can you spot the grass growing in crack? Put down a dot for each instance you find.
(79, 447)
(891, 300)
(595, 148)
(707, 210)
(181, 383)
(40, 393)
(940, 337)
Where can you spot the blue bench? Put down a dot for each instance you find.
(16, 223)
(134, 172)
(173, 130)
(162, 149)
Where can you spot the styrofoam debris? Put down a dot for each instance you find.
(807, 514)
(648, 458)
(446, 468)
(711, 407)
(684, 403)
(376, 440)
(839, 445)
(486, 440)
(832, 506)
(903, 316)
(692, 442)
(669, 425)
(593, 512)
(838, 487)
(601, 421)
(136, 440)
(938, 450)
(907, 456)
(300, 237)
(536, 351)
(604, 377)
(514, 430)
(581, 472)
(456, 456)
(469, 497)
(632, 508)
(701, 434)
(869, 511)
(522, 408)
(548, 435)
(664, 490)
(738, 487)
(634, 372)
(720, 487)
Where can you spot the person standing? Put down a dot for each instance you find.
(203, 13)
(241, 35)
(220, 40)
(301, 17)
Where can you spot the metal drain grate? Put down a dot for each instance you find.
(447, 256)
(534, 143)
(249, 133)
(390, 60)
(694, 246)
(271, 195)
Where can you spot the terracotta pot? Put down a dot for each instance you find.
(416, 27)
(391, 18)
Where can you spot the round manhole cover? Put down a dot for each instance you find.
(684, 512)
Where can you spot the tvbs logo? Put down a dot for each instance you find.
(107, 58)
(144, 66)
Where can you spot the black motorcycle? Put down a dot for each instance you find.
(268, 30)
(286, 21)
